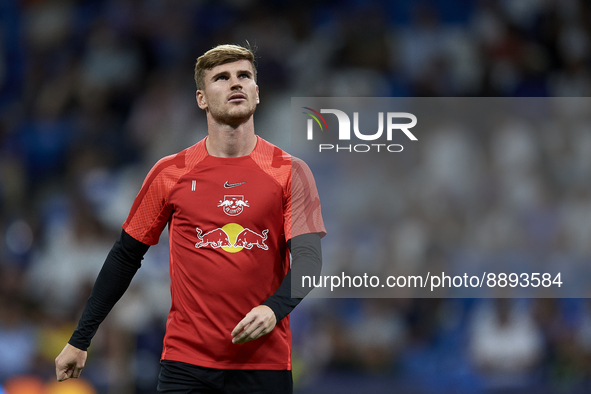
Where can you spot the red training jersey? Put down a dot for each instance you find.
(229, 221)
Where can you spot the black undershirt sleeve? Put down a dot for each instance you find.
(306, 259)
(120, 266)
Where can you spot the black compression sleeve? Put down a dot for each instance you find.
(306, 259)
(120, 266)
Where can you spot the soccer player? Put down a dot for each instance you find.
(235, 206)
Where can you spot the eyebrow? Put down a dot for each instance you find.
(245, 72)
(227, 73)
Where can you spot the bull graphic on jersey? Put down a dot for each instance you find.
(248, 238)
(219, 238)
(215, 238)
(233, 204)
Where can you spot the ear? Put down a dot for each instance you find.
(258, 98)
(201, 101)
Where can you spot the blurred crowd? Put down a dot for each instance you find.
(93, 92)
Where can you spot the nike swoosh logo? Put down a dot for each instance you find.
(229, 185)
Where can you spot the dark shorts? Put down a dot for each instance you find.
(181, 378)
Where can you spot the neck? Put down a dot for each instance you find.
(226, 140)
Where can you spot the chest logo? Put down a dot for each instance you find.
(233, 205)
(232, 238)
(228, 185)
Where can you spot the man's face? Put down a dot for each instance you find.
(230, 94)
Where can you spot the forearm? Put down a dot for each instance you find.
(120, 266)
(306, 260)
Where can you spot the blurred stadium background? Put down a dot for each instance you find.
(93, 92)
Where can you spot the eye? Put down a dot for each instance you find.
(244, 75)
(221, 77)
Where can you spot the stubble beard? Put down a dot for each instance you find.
(234, 115)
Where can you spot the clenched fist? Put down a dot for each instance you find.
(69, 363)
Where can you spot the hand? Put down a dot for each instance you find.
(69, 363)
(259, 321)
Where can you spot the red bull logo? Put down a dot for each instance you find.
(215, 238)
(248, 238)
(233, 204)
(232, 238)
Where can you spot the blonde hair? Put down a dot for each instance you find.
(222, 54)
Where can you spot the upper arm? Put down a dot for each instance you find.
(303, 211)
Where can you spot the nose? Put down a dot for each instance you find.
(235, 82)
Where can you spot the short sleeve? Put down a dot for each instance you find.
(150, 211)
(303, 212)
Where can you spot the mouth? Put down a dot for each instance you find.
(236, 98)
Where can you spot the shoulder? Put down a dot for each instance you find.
(298, 165)
(269, 152)
(278, 154)
(278, 162)
(277, 157)
(176, 165)
(274, 161)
